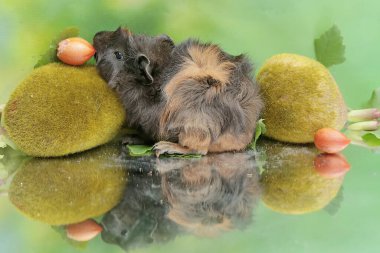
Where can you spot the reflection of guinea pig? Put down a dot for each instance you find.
(140, 218)
(171, 196)
(214, 194)
(191, 98)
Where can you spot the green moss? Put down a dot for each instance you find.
(67, 190)
(290, 183)
(60, 109)
(300, 97)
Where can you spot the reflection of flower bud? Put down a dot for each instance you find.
(365, 126)
(83, 231)
(363, 115)
(331, 165)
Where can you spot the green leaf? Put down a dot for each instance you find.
(51, 54)
(183, 156)
(91, 62)
(261, 160)
(6, 141)
(140, 150)
(372, 138)
(333, 207)
(3, 140)
(374, 101)
(329, 48)
(260, 130)
(11, 160)
(2, 143)
(144, 150)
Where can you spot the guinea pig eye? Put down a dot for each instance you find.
(118, 55)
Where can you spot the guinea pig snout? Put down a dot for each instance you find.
(96, 56)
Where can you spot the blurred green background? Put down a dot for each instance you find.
(260, 28)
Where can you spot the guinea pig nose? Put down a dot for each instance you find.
(96, 56)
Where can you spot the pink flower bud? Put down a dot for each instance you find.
(364, 126)
(363, 115)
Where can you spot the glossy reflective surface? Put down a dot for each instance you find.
(218, 203)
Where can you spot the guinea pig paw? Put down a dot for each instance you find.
(166, 147)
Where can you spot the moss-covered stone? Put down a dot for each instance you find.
(60, 109)
(300, 97)
(290, 182)
(68, 190)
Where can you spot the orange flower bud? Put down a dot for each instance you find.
(83, 231)
(330, 140)
(75, 51)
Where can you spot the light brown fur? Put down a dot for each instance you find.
(201, 63)
(229, 142)
(204, 62)
(188, 98)
(211, 195)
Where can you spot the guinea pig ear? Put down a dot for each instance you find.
(166, 39)
(144, 65)
(122, 32)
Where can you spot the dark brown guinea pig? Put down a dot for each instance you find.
(133, 66)
(192, 98)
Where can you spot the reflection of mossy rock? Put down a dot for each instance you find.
(71, 189)
(291, 184)
(60, 109)
(300, 97)
(10, 161)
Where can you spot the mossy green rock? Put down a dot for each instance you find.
(300, 97)
(290, 183)
(71, 189)
(60, 109)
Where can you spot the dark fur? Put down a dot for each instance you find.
(205, 105)
(165, 198)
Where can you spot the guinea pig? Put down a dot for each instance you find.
(213, 194)
(167, 198)
(190, 98)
